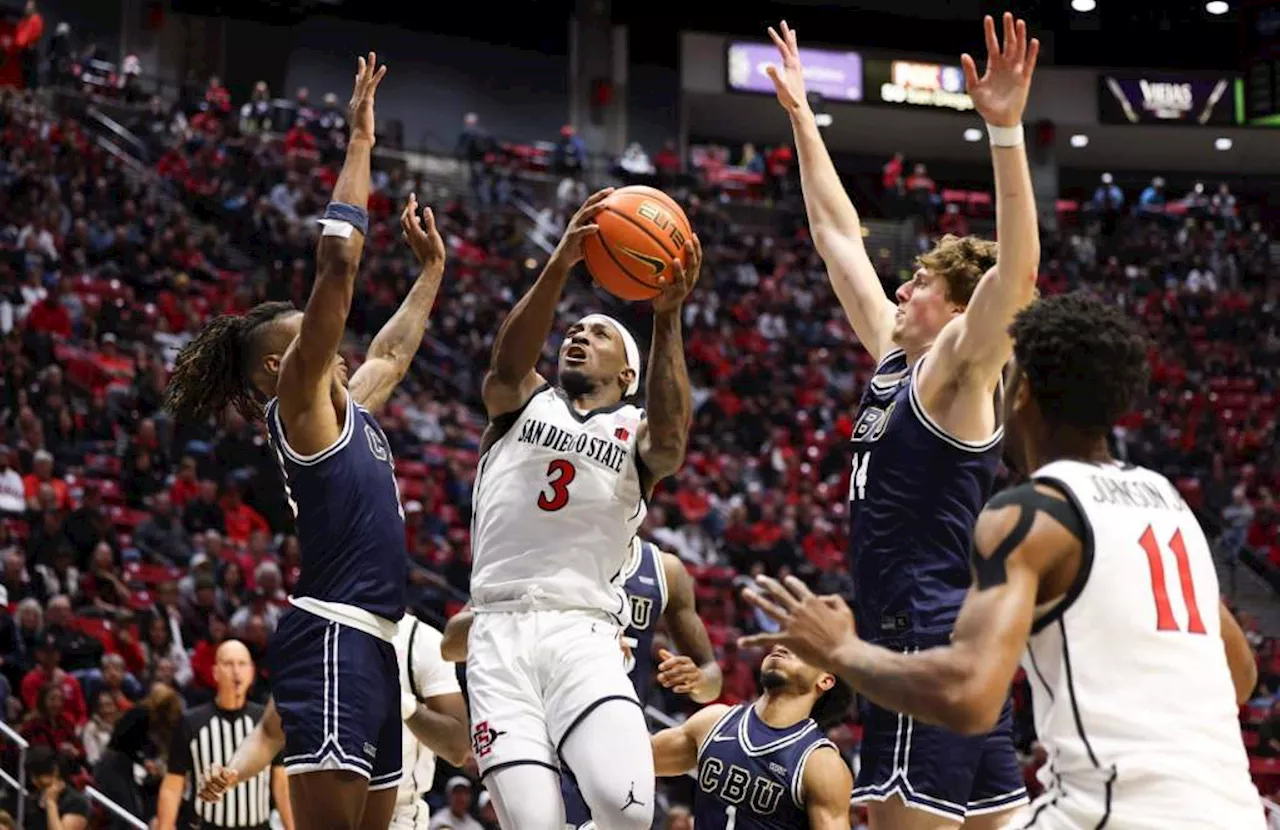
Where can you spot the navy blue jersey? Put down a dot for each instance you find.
(751, 776)
(914, 496)
(346, 507)
(646, 587)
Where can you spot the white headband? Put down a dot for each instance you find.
(628, 345)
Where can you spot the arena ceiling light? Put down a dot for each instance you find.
(1079, 140)
(1084, 6)
(973, 134)
(1222, 144)
(1217, 7)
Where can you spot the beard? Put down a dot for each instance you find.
(576, 384)
(773, 681)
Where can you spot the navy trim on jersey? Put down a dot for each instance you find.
(1086, 557)
(660, 565)
(500, 425)
(715, 730)
(583, 715)
(408, 658)
(744, 738)
(602, 410)
(1075, 713)
(917, 406)
(344, 437)
(797, 778)
(1035, 667)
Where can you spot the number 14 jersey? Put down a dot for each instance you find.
(1132, 694)
(556, 501)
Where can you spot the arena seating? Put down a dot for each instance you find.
(107, 271)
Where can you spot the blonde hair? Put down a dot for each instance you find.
(960, 261)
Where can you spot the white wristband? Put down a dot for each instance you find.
(1005, 136)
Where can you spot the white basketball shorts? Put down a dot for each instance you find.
(532, 676)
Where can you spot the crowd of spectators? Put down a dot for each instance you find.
(130, 545)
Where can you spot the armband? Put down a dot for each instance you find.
(340, 219)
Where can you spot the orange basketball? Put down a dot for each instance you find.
(642, 231)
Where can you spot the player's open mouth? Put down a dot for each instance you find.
(575, 354)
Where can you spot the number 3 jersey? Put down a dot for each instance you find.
(556, 501)
(914, 495)
(1132, 693)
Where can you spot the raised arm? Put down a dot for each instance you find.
(694, 671)
(675, 750)
(392, 350)
(962, 686)
(1240, 659)
(833, 220)
(977, 344)
(306, 368)
(512, 377)
(668, 400)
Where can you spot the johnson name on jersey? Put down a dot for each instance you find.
(1132, 693)
(557, 499)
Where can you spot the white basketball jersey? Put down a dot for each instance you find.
(1132, 695)
(556, 501)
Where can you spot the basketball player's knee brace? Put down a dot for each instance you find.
(610, 755)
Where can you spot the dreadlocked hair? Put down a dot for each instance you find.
(212, 372)
(1085, 362)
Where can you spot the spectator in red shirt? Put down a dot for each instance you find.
(46, 673)
(241, 519)
(50, 724)
(49, 316)
(42, 473)
(186, 485)
(216, 96)
(26, 42)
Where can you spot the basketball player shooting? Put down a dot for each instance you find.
(335, 684)
(1093, 573)
(564, 474)
(766, 765)
(930, 413)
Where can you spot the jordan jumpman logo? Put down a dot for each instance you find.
(631, 798)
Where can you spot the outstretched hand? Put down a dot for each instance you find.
(682, 280)
(788, 79)
(814, 628)
(569, 251)
(678, 672)
(419, 229)
(360, 107)
(1000, 95)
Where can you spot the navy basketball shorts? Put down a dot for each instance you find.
(937, 771)
(337, 690)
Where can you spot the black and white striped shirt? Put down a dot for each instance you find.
(209, 736)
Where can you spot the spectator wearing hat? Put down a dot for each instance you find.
(48, 672)
(456, 814)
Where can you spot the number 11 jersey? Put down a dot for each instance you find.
(556, 500)
(1131, 690)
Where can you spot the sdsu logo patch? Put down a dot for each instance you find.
(482, 738)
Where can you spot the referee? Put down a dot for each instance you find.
(207, 736)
